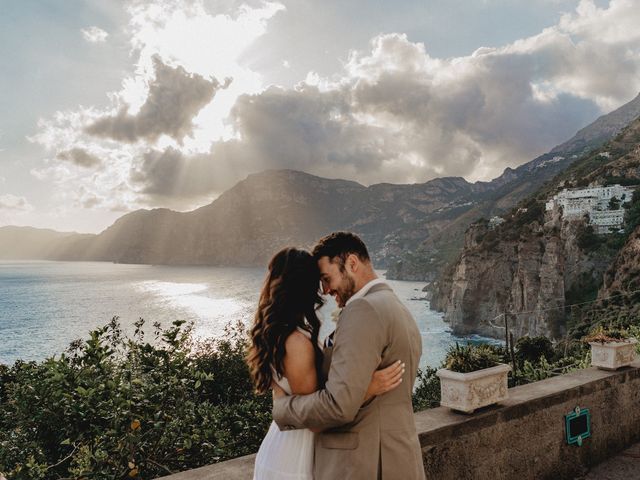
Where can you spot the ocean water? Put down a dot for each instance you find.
(46, 305)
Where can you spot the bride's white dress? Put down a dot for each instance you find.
(285, 455)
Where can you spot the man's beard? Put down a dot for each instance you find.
(346, 290)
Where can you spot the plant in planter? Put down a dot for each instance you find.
(472, 377)
(611, 348)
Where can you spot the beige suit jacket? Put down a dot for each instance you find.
(378, 440)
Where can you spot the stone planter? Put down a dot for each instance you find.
(613, 355)
(467, 392)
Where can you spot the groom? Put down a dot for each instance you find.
(377, 440)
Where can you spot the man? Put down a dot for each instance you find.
(377, 439)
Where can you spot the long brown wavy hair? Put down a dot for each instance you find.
(289, 299)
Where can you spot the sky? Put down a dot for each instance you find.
(108, 107)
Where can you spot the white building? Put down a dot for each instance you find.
(593, 201)
(604, 221)
(495, 221)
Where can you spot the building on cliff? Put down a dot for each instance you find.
(603, 205)
(495, 221)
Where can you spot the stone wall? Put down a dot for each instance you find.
(523, 438)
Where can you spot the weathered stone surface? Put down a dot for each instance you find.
(624, 466)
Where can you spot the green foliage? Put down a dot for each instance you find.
(587, 239)
(427, 391)
(542, 369)
(634, 332)
(532, 349)
(470, 358)
(113, 406)
(616, 180)
(564, 357)
(602, 334)
(584, 288)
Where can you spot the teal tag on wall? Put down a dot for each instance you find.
(577, 426)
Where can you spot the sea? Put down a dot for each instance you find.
(44, 306)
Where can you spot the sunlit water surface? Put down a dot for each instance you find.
(46, 305)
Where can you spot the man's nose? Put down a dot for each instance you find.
(325, 288)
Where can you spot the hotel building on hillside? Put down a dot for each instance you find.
(593, 201)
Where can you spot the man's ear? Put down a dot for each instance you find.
(353, 262)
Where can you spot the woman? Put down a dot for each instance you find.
(285, 350)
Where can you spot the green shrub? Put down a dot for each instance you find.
(602, 334)
(469, 358)
(532, 349)
(427, 391)
(117, 407)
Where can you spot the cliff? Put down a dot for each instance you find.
(536, 263)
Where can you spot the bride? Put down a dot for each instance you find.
(284, 350)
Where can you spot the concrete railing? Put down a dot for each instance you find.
(522, 438)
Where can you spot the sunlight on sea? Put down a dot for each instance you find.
(213, 313)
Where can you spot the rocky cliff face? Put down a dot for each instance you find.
(524, 274)
(535, 263)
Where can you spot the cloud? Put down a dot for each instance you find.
(394, 113)
(94, 34)
(173, 100)
(80, 157)
(14, 203)
(170, 173)
(398, 114)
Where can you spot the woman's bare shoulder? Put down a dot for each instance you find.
(298, 343)
(299, 364)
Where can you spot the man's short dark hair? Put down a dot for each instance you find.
(341, 245)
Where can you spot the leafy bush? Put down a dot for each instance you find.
(427, 391)
(469, 358)
(602, 334)
(532, 349)
(116, 407)
(542, 369)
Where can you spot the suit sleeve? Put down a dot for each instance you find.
(359, 341)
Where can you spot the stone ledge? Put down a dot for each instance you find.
(521, 438)
(238, 468)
